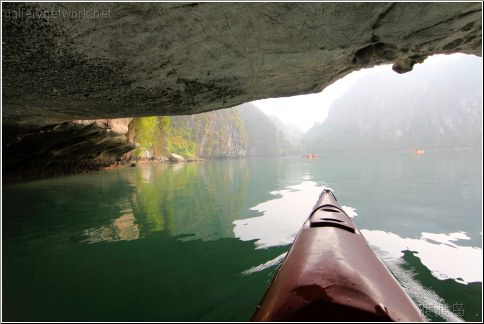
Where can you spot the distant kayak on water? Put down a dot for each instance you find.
(331, 274)
(311, 156)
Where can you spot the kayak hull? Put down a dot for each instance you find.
(332, 274)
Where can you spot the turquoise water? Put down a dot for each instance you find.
(201, 241)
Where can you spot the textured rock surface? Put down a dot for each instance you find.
(69, 147)
(179, 58)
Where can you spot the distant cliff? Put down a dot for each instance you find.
(87, 145)
(233, 132)
(293, 136)
(214, 134)
(264, 137)
(435, 106)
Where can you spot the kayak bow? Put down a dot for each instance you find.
(331, 274)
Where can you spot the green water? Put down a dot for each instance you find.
(201, 241)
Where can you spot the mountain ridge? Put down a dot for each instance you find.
(438, 106)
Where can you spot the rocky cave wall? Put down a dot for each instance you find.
(71, 61)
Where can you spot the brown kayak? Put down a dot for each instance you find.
(331, 274)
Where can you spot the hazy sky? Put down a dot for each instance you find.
(304, 111)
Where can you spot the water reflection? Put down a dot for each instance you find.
(206, 199)
(430, 303)
(178, 232)
(200, 199)
(120, 229)
(441, 300)
(151, 279)
(438, 252)
(282, 217)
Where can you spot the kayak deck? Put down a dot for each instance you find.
(332, 274)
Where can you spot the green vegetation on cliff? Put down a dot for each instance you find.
(232, 132)
(219, 133)
(156, 136)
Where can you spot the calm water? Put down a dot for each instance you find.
(201, 241)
